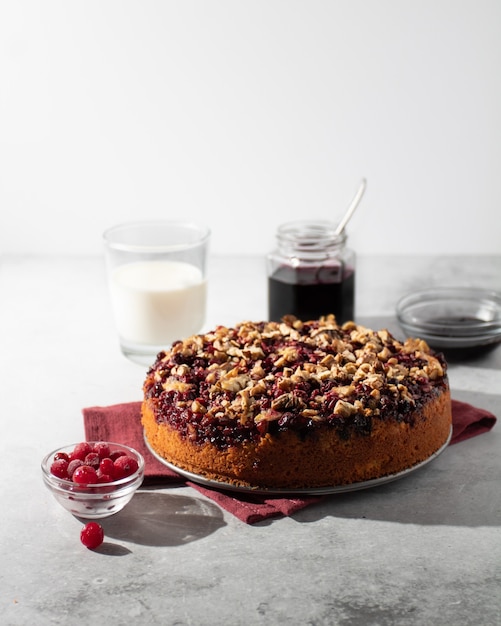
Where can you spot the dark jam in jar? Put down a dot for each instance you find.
(309, 301)
(311, 273)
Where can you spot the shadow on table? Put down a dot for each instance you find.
(155, 518)
(428, 497)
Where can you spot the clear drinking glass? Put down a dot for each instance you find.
(158, 284)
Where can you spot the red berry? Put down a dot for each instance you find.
(116, 454)
(102, 449)
(92, 535)
(61, 455)
(72, 466)
(80, 451)
(85, 475)
(60, 468)
(107, 467)
(103, 478)
(125, 466)
(92, 459)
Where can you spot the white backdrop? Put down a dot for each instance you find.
(245, 114)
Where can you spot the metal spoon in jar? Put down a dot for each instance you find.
(351, 209)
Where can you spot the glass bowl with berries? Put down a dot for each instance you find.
(93, 479)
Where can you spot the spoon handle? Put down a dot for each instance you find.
(351, 209)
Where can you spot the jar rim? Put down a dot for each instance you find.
(310, 234)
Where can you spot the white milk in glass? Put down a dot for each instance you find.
(158, 302)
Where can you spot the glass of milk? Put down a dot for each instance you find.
(158, 284)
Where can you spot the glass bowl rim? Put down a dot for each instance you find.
(447, 296)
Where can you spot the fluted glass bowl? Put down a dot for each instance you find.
(93, 501)
(452, 317)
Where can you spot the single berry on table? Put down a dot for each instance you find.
(92, 535)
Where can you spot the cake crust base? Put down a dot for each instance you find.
(322, 458)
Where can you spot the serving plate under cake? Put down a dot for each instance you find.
(315, 491)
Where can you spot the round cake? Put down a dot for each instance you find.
(296, 405)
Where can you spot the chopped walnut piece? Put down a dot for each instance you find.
(397, 371)
(233, 382)
(362, 371)
(287, 402)
(253, 352)
(180, 370)
(349, 326)
(234, 351)
(311, 413)
(288, 355)
(328, 360)
(384, 335)
(349, 356)
(350, 369)
(384, 354)
(415, 345)
(172, 384)
(197, 407)
(344, 409)
(285, 384)
(257, 371)
(257, 388)
(434, 369)
(268, 416)
(405, 395)
(345, 391)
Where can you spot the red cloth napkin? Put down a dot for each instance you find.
(122, 423)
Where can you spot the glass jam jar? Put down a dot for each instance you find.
(311, 273)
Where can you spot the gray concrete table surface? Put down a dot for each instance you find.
(423, 550)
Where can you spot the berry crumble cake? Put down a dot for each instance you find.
(297, 405)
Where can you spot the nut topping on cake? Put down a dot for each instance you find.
(270, 376)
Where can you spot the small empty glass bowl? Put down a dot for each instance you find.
(93, 501)
(452, 317)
